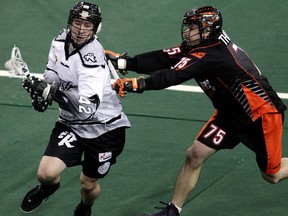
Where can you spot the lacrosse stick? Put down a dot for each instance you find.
(16, 65)
(112, 70)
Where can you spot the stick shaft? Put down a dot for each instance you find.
(112, 70)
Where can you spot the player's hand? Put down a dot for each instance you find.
(39, 104)
(41, 92)
(124, 85)
(119, 61)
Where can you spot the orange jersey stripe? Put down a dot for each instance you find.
(272, 129)
(257, 104)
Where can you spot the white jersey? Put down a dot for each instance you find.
(90, 107)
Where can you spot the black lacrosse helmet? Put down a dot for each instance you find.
(207, 18)
(86, 11)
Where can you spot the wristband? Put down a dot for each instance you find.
(122, 63)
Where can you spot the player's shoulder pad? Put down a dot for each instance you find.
(92, 55)
(61, 36)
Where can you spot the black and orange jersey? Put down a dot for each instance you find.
(223, 70)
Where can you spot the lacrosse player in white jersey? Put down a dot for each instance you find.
(91, 123)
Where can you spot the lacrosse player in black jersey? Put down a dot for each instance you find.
(248, 110)
(91, 122)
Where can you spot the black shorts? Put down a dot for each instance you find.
(95, 155)
(264, 137)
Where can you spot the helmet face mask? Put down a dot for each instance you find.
(191, 35)
(84, 22)
(81, 31)
(208, 20)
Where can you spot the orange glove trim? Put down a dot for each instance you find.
(118, 86)
(109, 52)
(134, 84)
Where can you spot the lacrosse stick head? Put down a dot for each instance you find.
(16, 65)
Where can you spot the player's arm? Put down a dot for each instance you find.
(158, 80)
(79, 106)
(166, 78)
(145, 63)
(149, 62)
(43, 93)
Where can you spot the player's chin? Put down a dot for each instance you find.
(80, 40)
(78, 43)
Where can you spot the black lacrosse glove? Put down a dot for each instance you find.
(119, 61)
(40, 104)
(124, 85)
(41, 92)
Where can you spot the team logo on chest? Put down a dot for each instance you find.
(90, 57)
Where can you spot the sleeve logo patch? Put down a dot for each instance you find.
(90, 57)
